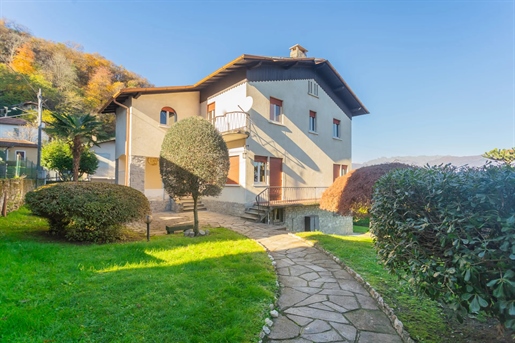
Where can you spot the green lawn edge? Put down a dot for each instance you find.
(423, 318)
(172, 289)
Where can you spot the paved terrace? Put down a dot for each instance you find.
(319, 301)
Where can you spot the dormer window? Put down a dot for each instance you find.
(168, 116)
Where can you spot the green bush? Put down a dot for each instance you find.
(451, 233)
(87, 211)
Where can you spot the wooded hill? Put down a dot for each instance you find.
(71, 80)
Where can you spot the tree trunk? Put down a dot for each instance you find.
(76, 151)
(195, 214)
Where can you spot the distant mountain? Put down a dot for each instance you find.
(472, 161)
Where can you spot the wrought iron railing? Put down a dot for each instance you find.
(231, 122)
(288, 195)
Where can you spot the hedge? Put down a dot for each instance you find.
(87, 211)
(451, 233)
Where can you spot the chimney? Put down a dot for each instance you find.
(298, 51)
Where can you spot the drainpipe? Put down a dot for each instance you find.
(128, 114)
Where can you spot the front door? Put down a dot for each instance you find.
(276, 178)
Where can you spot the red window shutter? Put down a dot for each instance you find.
(336, 121)
(263, 159)
(336, 171)
(312, 114)
(211, 107)
(233, 177)
(275, 101)
(168, 109)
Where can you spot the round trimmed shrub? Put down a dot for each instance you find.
(451, 233)
(88, 211)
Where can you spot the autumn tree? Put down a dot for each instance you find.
(503, 156)
(79, 131)
(12, 37)
(194, 161)
(23, 61)
(351, 194)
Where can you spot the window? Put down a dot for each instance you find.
(233, 177)
(312, 88)
(339, 170)
(276, 109)
(336, 128)
(21, 153)
(168, 116)
(312, 121)
(260, 169)
(210, 111)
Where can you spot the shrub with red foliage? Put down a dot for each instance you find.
(351, 194)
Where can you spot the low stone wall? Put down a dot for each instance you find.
(13, 191)
(160, 205)
(324, 221)
(224, 207)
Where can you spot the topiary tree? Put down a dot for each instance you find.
(194, 161)
(351, 194)
(88, 211)
(57, 155)
(505, 156)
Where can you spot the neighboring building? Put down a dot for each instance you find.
(286, 122)
(106, 166)
(10, 150)
(10, 126)
(17, 128)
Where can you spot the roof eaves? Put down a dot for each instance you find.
(365, 110)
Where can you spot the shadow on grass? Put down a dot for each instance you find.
(171, 289)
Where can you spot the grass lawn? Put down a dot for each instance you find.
(423, 318)
(172, 289)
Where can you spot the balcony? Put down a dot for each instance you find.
(287, 196)
(232, 125)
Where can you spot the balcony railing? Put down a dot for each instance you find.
(276, 196)
(232, 123)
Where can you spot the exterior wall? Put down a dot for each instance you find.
(225, 207)
(137, 175)
(226, 100)
(329, 222)
(121, 128)
(106, 165)
(31, 154)
(308, 158)
(147, 133)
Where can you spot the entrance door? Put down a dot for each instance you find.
(276, 178)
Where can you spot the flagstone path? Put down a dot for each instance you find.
(319, 301)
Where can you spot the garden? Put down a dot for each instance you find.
(172, 289)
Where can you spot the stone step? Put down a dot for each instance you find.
(250, 217)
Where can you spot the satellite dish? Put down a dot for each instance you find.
(246, 104)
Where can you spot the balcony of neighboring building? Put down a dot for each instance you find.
(232, 125)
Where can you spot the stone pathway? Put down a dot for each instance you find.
(319, 301)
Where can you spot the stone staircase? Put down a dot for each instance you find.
(186, 205)
(255, 214)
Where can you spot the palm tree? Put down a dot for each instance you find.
(78, 131)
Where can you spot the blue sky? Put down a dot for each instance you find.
(438, 77)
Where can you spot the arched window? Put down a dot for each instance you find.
(168, 116)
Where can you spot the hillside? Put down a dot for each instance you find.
(472, 161)
(71, 80)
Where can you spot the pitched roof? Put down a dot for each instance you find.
(248, 61)
(9, 143)
(12, 121)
